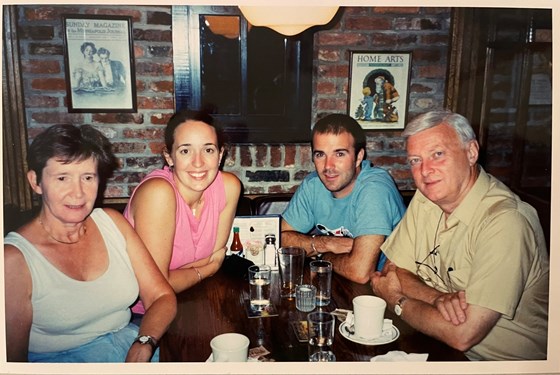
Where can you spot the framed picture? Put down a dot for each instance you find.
(378, 88)
(99, 63)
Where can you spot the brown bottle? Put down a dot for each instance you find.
(236, 247)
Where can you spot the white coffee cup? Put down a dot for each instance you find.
(369, 312)
(230, 347)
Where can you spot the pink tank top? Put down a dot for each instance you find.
(194, 239)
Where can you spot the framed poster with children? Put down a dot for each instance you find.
(378, 88)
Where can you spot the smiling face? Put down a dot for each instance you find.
(68, 190)
(195, 156)
(336, 162)
(444, 169)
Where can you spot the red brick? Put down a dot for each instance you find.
(276, 156)
(397, 10)
(401, 173)
(260, 154)
(389, 160)
(160, 118)
(431, 71)
(246, 159)
(155, 103)
(342, 39)
(332, 71)
(152, 35)
(154, 69)
(156, 147)
(368, 23)
(119, 11)
(331, 103)
(161, 86)
(113, 191)
(305, 156)
(57, 117)
(42, 101)
(129, 147)
(329, 55)
(431, 39)
(326, 88)
(41, 66)
(419, 88)
(150, 133)
(119, 118)
(47, 13)
(48, 84)
(289, 155)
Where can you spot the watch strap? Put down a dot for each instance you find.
(146, 339)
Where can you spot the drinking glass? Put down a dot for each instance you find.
(259, 286)
(305, 297)
(290, 262)
(321, 276)
(320, 326)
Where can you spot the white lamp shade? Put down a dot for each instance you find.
(288, 20)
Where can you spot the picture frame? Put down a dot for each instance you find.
(379, 88)
(99, 63)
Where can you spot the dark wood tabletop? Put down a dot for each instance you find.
(217, 306)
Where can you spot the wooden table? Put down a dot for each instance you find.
(216, 306)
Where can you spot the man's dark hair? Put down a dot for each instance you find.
(339, 123)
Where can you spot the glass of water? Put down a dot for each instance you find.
(321, 276)
(320, 327)
(259, 286)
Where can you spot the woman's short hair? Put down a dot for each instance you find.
(68, 143)
(190, 115)
(431, 119)
(337, 123)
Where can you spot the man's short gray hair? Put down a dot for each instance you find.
(431, 119)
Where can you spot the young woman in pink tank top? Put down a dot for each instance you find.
(184, 212)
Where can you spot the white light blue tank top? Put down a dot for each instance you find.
(68, 313)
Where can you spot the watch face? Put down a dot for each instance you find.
(143, 339)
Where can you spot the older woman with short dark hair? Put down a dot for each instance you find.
(72, 272)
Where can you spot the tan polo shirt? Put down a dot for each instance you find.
(493, 247)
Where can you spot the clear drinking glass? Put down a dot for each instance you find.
(321, 276)
(305, 297)
(290, 264)
(259, 286)
(320, 327)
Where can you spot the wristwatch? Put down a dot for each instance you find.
(399, 305)
(145, 339)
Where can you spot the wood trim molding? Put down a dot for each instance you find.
(14, 131)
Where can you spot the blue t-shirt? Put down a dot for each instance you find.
(374, 206)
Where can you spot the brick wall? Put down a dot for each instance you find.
(262, 168)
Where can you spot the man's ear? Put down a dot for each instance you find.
(360, 157)
(32, 178)
(472, 152)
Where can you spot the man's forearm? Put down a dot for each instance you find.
(413, 286)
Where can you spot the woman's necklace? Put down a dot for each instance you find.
(196, 206)
(61, 241)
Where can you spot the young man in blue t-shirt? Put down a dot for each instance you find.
(346, 208)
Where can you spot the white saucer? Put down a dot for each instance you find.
(388, 335)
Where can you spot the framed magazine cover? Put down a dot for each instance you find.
(378, 88)
(99, 63)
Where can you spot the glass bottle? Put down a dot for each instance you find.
(270, 251)
(236, 247)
